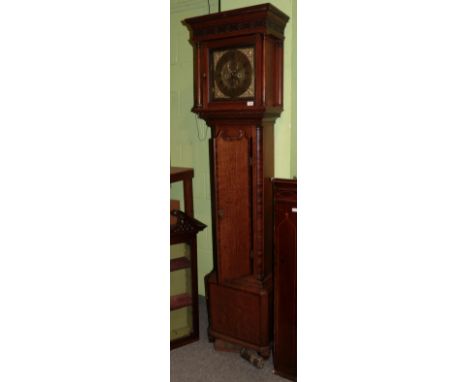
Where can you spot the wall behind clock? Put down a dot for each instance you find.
(189, 136)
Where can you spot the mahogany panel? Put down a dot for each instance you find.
(285, 278)
(278, 74)
(268, 170)
(269, 70)
(232, 320)
(233, 220)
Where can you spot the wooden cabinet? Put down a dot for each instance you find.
(184, 229)
(285, 278)
(238, 82)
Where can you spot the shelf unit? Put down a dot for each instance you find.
(184, 230)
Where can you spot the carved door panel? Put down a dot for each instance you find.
(232, 148)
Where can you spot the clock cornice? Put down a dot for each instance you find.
(263, 18)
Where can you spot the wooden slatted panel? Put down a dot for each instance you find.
(179, 263)
(180, 301)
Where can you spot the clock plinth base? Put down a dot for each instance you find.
(245, 320)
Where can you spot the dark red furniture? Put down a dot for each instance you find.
(285, 278)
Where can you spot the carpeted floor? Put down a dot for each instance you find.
(199, 362)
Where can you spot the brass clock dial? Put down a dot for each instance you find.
(233, 74)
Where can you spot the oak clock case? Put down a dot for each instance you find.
(238, 82)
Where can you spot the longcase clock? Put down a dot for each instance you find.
(238, 82)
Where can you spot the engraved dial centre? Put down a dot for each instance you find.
(234, 74)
